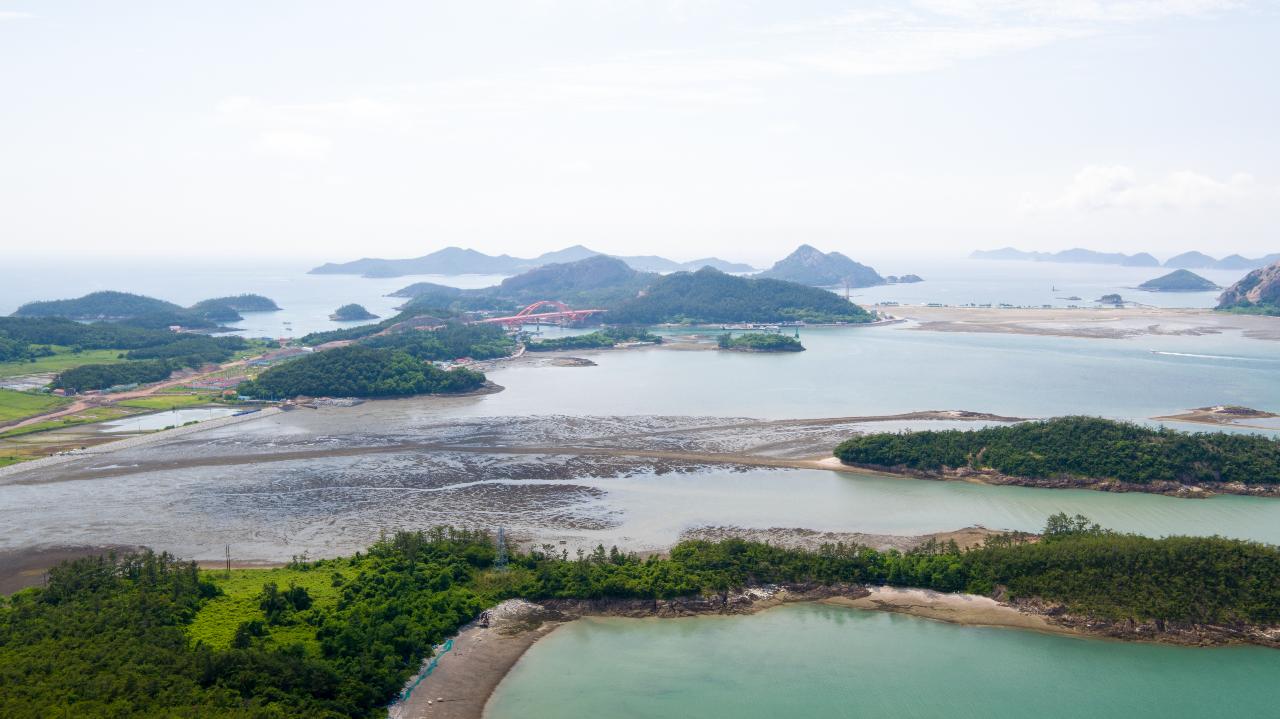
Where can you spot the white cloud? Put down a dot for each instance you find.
(14, 15)
(1077, 10)
(1121, 187)
(294, 145)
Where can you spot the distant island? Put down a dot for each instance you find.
(460, 261)
(1257, 293)
(759, 342)
(1112, 299)
(1085, 452)
(1178, 281)
(352, 313)
(641, 298)
(142, 311)
(810, 266)
(903, 280)
(1186, 260)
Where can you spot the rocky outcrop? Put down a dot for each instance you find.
(747, 601)
(1260, 288)
(1156, 630)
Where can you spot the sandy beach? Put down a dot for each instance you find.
(467, 676)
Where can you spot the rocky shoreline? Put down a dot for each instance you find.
(992, 477)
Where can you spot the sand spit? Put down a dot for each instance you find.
(809, 539)
(1096, 323)
(1222, 416)
(966, 609)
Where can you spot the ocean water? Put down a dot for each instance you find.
(893, 369)
(307, 300)
(813, 660)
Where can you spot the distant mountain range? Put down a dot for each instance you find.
(459, 261)
(1184, 261)
(707, 295)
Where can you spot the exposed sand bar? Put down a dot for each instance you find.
(1099, 323)
(967, 609)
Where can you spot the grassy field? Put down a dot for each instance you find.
(19, 405)
(63, 359)
(218, 619)
(167, 401)
(94, 414)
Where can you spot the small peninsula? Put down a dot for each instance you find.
(1083, 452)
(352, 313)
(1178, 281)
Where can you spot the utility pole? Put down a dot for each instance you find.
(500, 562)
(228, 561)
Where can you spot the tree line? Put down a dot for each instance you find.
(106, 636)
(359, 371)
(1087, 447)
(600, 339)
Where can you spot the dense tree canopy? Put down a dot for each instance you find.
(600, 339)
(357, 371)
(712, 296)
(101, 376)
(451, 342)
(760, 342)
(108, 636)
(1078, 446)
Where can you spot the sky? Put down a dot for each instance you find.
(685, 128)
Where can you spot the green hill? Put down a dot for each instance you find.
(1178, 281)
(710, 296)
(98, 305)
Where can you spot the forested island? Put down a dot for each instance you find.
(1178, 281)
(600, 339)
(1080, 451)
(759, 342)
(359, 371)
(352, 313)
(142, 311)
(148, 635)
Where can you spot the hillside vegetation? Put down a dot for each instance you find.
(358, 371)
(600, 339)
(710, 296)
(760, 342)
(145, 635)
(149, 312)
(1086, 447)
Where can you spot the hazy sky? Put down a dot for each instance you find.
(679, 127)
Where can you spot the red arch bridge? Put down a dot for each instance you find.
(548, 311)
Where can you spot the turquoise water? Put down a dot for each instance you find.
(819, 661)
(652, 510)
(893, 369)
